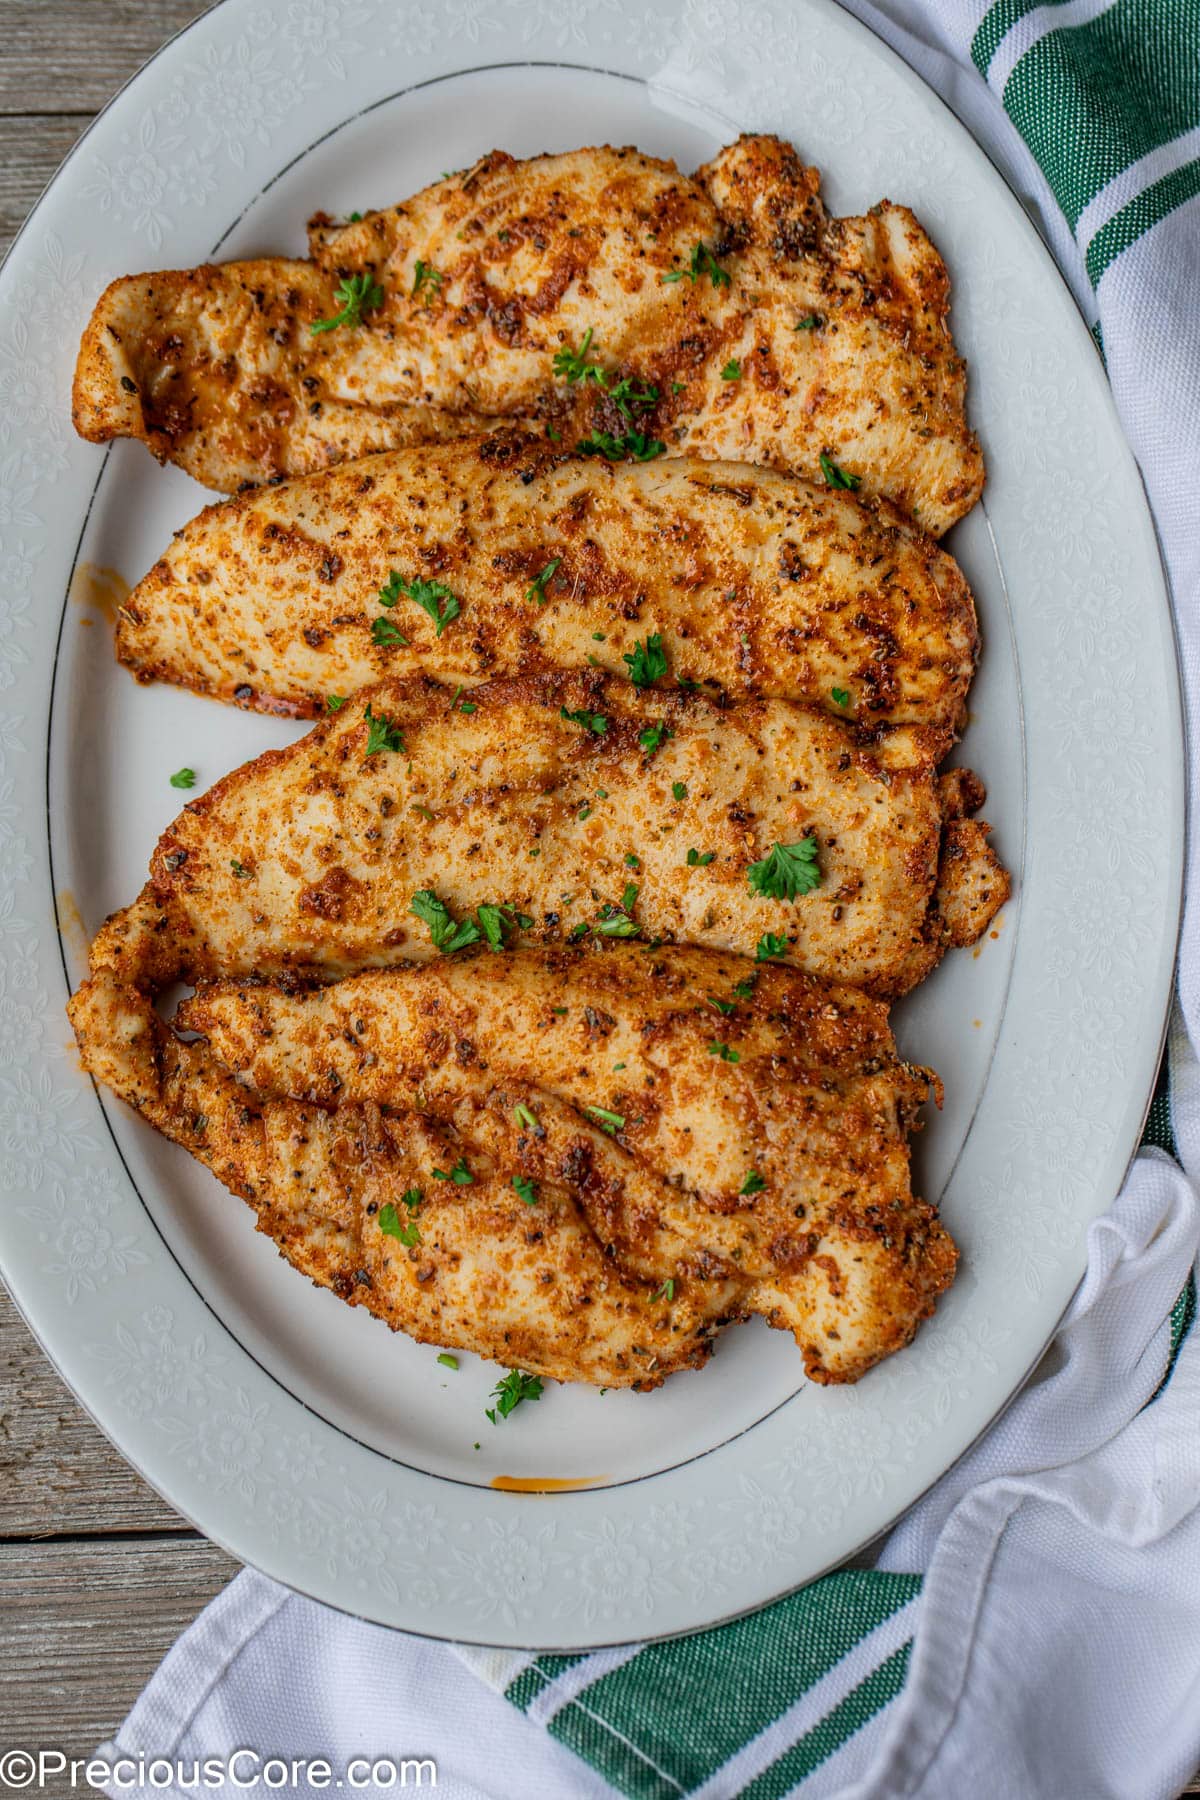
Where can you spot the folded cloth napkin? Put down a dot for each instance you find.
(1032, 1628)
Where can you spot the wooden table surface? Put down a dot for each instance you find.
(98, 1576)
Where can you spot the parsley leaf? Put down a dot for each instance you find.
(427, 280)
(666, 1291)
(334, 702)
(382, 734)
(724, 1052)
(494, 921)
(836, 477)
(679, 790)
(652, 737)
(630, 400)
(446, 934)
(696, 861)
(183, 778)
(524, 1116)
(839, 696)
(703, 263)
(537, 587)
(460, 1175)
(724, 1007)
(391, 1225)
(770, 946)
(356, 294)
(240, 870)
(786, 870)
(426, 595)
(447, 1361)
(594, 722)
(383, 632)
(753, 1184)
(732, 370)
(509, 1393)
(633, 443)
(574, 365)
(809, 324)
(744, 990)
(647, 660)
(525, 1189)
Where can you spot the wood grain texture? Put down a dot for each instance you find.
(30, 151)
(58, 1474)
(85, 1625)
(71, 56)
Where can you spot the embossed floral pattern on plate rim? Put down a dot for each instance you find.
(149, 183)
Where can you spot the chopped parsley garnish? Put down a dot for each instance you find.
(426, 595)
(494, 921)
(525, 1189)
(770, 946)
(574, 365)
(447, 1361)
(679, 789)
(460, 1175)
(509, 1393)
(703, 263)
(610, 1121)
(753, 1184)
(594, 722)
(786, 870)
(630, 400)
(391, 1224)
(696, 861)
(652, 737)
(183, 778)
(384, 633)
(426, 280)
(744, 990)
(633, 443)
(724, 1007)
(809, 324)
(631, 861)
(647, 660)
(334, 702)
(732, 370)
(839, 696)
(355, 295)
(677, 387)
(724, 1052)
(836, 477)
(666, 1291)
(614, 921)
(524, 1116)
(382, 734)
(240, 870)
(537, 587)
(354, 219)
(448, 936)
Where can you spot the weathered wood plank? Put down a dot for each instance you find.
(71, 56)
(58, 1474)
(30, 151)
(85, 1625)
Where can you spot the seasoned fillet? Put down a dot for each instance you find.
(664, 1190)
(744, 322)
(748, 581)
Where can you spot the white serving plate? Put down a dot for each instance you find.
(301, 1434)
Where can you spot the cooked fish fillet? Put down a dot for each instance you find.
(770, 332)
(753, 581)
(548, 796)
(590, 1075)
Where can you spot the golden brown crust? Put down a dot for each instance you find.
(641, 1242)
(308, 858)
(839, 328)
(755, 582)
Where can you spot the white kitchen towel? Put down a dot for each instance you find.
(1053, 1649)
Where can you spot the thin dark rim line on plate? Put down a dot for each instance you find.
(906, 73)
